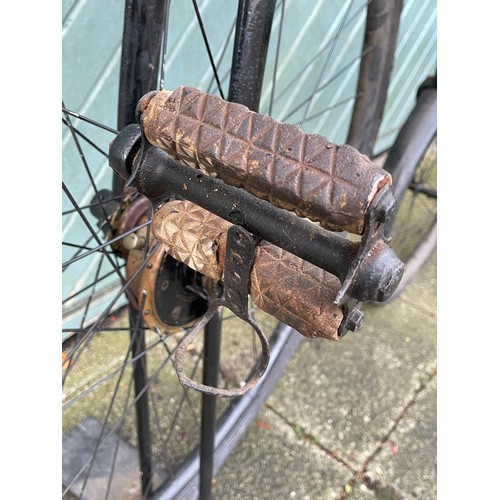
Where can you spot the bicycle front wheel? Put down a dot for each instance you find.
(126, 419)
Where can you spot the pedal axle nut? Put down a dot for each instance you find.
(354, 320)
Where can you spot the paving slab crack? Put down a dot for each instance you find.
(302, 433)
(381, 490)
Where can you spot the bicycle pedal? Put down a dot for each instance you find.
(333, 185)
(289, 288)
(307, 174)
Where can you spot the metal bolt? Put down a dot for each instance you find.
(354, 320)
(132, 241)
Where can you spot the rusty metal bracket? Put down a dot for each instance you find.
(382, 209)
(239, 259)
(215, 391)
(238, 263)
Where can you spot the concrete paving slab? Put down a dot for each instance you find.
(350, 393)
(350, 398)
(407, 461)
(114, 454)
(80, 443)
(276, 461)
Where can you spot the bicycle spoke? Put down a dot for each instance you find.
(332, 79)
(85, 289)
(103, 316)
(221, 57)
(91, 230)
(105, 244)
(276, 59)
(74, 245)
(89, 120)
(89, 298)
(140, 380)
(108, 377)
(325, 65)
(85, 138)
(82, 158)
(325, 110)
(207, 46)
(105, 422)
(167, 434)
(114, 428)
(93, 205)
(101, 330)
(300, 74)
(81, 247)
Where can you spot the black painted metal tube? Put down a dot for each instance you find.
(138, 346)
(253, 30)
(211, 355)
(140, 59)
(160, 178)
(412, 141)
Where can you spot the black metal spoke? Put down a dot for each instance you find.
(86, 165)
(224, 48)
(83, 290)
(107, 310)
(115, 427)
(74, 114)
(276, 58)
(337, 75)
(140, 381)
(328, 108)
(101, 330)
(82, 246)
(83, 319)
(325, 65)
(117, 445)
(207, 46)
(93, 205)
(109, 376)
(310, 62)
(186, 392)
(91, 229)
(105, 423)
(101, 247)
(85, 138)
(74, 245)
(82, 155)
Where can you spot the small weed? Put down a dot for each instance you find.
(299, 431)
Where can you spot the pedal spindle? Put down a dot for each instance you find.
(305, 173)
(292, 290)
